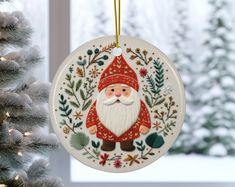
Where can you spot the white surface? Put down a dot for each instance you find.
(180, 168)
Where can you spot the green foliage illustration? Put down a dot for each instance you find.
(79, 141)
(72, 88)
(154, 140)
(155, 83)
(65, 109)
(87, 93)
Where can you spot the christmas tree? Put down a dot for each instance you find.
(100, 19)
(24, 140)
(183, 58)
(215, 87)
(131, 25)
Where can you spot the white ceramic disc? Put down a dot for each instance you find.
(117, 113)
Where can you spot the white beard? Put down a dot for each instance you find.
(118, 117)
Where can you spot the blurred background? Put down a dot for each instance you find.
(198, 36)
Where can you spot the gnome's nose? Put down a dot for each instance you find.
(118, 94)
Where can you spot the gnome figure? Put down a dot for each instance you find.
(118, 114)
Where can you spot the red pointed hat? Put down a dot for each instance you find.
(118, 72)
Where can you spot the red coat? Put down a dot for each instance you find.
(130, 134)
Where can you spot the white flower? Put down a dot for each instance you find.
(167, 90)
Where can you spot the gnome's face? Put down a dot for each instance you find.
(118, 107)
(118, 90)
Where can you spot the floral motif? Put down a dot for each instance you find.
(97, 56)
(94, 72)
(117, 163)
(77, 96)
(66, 130)
(157, 125)
(167, 116)
(140, 55)
(131, 159)
(87, 93)
(78, 115)
(143, 72)
(104, 158)
(71, 70)
(80, 72)
(155, 82)
(167, 90)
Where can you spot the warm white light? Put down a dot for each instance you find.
(3, 185)
(7, 114)
(19, 153)
(10, 130)
(16, 177)
(27, 133)
(2, 59)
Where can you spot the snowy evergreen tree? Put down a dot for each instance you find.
(182, 57)
(100, 19)
(131, 24)
(215, 132)
(24, 143)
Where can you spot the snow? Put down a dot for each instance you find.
(217, 42)
(228, 81)
(186, 79)
(215, 91)
(217, 150)
(39, 23)
(231, 95)
(201, 80)
(201, 133)
(220, 53)
(191, 168)
(229, 106)
(221, 131)
(232, 133)
(221, 31)
(7, 19)
(206, 109)
(213, 73)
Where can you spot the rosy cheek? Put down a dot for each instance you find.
(126, 94)
(109, 94)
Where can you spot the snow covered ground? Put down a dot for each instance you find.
(178, 168)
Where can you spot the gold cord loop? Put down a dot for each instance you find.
(117, 20)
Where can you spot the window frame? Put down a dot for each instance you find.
(59, 48)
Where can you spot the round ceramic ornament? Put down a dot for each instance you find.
(119, 111)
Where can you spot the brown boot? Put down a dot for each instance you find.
(108, 145)
(127, 145)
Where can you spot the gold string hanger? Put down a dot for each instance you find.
(117, 20)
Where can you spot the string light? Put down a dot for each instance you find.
(17, 177)
(3, 185)
(27, 133)
(3, 60)
(19, 153)
(7, 114)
